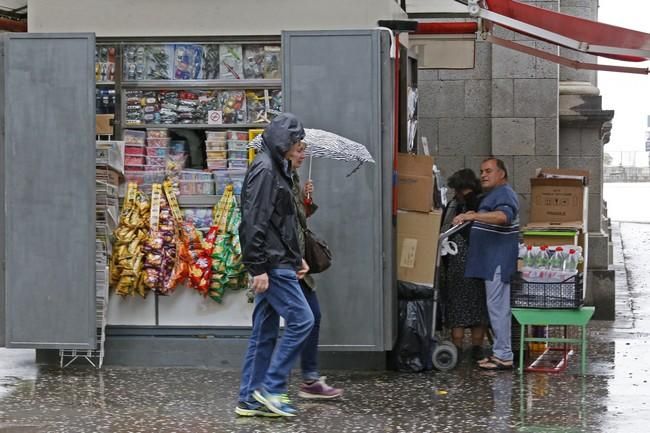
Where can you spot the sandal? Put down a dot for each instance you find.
(486, 358)
(496, 364)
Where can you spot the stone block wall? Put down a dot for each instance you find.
(506, 106)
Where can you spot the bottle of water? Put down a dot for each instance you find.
(528, 263)
(571, 262)
(556, 265)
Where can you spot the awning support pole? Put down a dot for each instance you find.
(562, 60)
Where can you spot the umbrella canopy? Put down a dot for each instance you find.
(324, 144)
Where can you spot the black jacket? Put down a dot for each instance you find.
(268, 230)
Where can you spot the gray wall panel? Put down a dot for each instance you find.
(49, 190)
(331, 80)
(2, 202)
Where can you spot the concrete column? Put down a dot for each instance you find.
(584, 128)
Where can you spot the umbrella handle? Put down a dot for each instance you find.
(310, 160)
(308, 195)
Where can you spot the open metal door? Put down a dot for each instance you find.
(47, 148)
(340, 81)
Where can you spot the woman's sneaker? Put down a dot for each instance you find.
(276, 403)
(319, 390)
(245, 408)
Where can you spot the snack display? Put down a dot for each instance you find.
(261, 61)
(223, 178)
(187, 62)
(134, 113)
(210, 62)
(134, 62)
(201, 218)
(105, 101)
(148, 62)
(230, 62)
(233, 106)
(105, 62)
(130, 236)
(159, 62)
(228, 271)
(216, 154)
(201, 267)
(160, 248)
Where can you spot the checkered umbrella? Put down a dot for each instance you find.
(324, 144)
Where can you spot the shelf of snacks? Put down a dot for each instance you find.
(203, 108)
(199, 173)
(106, 56)
(195, 125)
(203, 84)
(186, 61)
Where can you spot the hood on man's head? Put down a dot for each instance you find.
(282, 132)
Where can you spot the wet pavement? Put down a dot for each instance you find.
(614, 395)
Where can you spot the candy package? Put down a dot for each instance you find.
(210, 70)
(126, 266)
(230, 62)
(159, 62)
(161, 247)
(105, 62)
(187, 62)
(233, 105)
(135, 59)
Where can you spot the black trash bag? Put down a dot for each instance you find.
(414, 344)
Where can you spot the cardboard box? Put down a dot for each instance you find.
(414, 182)
(563, 173)
(417, 246)
(104, 124)
(556, 200)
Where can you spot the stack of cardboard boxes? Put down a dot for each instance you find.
(559, 209)
(418, 223)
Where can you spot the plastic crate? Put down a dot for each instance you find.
(238, 154)
(237, 145)
(238, 135)
(157, 133)
(216, 154)
(196, 187)
(134, 150)
(157, 161)
(158, 142)
(196, 175)
(217, 164)
(134, 160)
(565, 294)
(238, 164)
(133, 136)
(157, 151)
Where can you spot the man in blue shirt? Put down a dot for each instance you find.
(492, 255)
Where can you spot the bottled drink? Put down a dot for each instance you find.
(571, 262)
(542, 264)
(556, 262)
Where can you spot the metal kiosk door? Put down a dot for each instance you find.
(340, 81)
(47, 223)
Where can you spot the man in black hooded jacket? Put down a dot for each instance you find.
(271, 254)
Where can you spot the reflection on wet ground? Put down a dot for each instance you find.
(612, 397)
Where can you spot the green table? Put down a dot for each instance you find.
(554, 317)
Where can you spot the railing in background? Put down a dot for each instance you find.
(626, 174)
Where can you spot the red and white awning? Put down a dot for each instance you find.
(564, 30)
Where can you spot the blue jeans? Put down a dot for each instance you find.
(498, 304)
(264, 368)
(309, 355)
